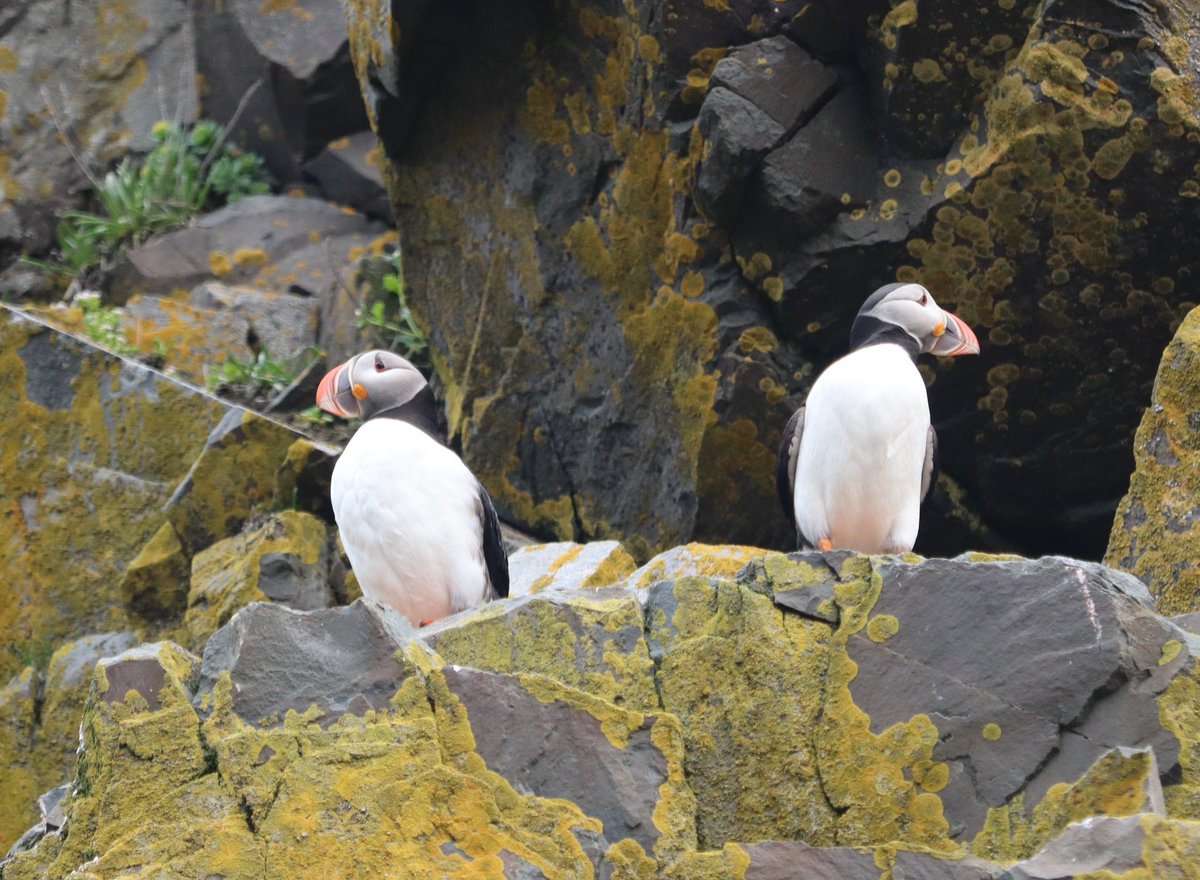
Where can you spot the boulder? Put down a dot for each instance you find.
(130, 69)
(220, 322)
(348, 171)
(1156, 534)
(565, 565)
(21, 782)
(288, 62)
(289, 559)
(1025, 720)
(248, 463)
(666, 222)
(279, 243)
(278, 660)
(95, 446)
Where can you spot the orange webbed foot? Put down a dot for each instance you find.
(824, 545)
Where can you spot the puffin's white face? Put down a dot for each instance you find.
(369, 383)
(912, 307)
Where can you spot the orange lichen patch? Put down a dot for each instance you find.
(219, 263)
(759, 339)
(243, 257)
(692, 285)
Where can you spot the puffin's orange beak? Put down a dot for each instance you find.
(338, 395)
(956, 339)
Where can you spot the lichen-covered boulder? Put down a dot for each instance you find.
(248, 464)
(289, 559)
(665, 221)
(111, 488)
(21, 782)
(93, 448)
(132, 64)
(1156, 534)
(43, 724)
(277, 243)
(219, 322)
(949, 719)
(565, 565)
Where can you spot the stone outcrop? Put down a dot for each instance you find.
(289, 63)
(939, 719)
(115, 476)
(665, 219)
(132, 64)
(1156, 534)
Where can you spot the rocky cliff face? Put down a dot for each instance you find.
(639, 229)
(198, 700)
(635, 233)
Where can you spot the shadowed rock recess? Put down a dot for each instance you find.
(638, 230)
(811, 715)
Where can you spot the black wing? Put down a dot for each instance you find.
(785, 466)
(929, 472)
(493, 546)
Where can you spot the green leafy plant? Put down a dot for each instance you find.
(186, 172)
(314, 415)
(260, 376)
(392, 317)
(102, 324)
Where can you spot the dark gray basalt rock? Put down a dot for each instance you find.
(277, 242)
(557, 750)
(1030, 670)
(1029, 164)
(348, 171)
(307, 94)
(339, 660)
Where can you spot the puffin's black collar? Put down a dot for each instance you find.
(420, 412)
(869, 330)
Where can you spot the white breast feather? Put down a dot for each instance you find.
(407, 509)
(858, 473)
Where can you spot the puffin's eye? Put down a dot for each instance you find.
(924, 299)
(380, 366)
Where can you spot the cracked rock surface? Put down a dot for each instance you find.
(669, 213)
(936, 719)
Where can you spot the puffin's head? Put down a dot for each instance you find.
(911, 309)
(368, 384)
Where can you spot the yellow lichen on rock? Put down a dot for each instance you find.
(744, 681)
(872, 779)
(1116, 785)
(1154, 536)
(225, 576)
(594, 644)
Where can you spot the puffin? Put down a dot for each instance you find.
(857, 461)
(420, 530)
